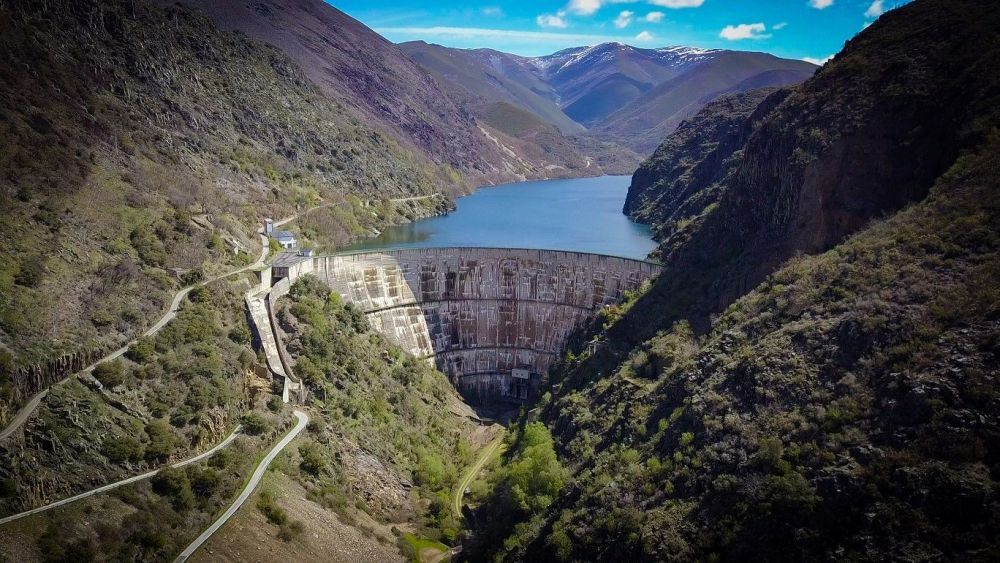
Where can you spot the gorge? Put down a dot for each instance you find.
(583, 282)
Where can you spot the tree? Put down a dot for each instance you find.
(535, 477)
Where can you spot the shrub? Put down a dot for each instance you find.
(204, 482)
(110, 374)
(174, 484)
(290, 531)
(255, 424)
(270, 509)
(162, 440)
(192, 276)
(240, 334)
(199, 294)
(31, 272)
(122, 449)
(142, 351)
(430, 469)
(8, 488)
(313, 461)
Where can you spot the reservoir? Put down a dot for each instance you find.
(581, 214)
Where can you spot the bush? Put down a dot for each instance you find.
(162, 440)
(122, 449)
(110, 374)
(430, 469)
(8, 488)
(270, 509)
(31, 272)
(142, 351)
(174, 484)
(192, 277)
(313, 461)
(240, 334)
(255, 424)
(205, 482)
(290, 531)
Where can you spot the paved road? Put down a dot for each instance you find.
(26, 411)
(474, 470)
(23, 414)
(123, 482)
(258, 474)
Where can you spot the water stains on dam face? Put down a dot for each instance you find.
(492, 319)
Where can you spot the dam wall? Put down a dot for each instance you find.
(494, 320)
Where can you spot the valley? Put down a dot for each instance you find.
(284, 279)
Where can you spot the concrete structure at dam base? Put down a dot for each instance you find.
(492, 319)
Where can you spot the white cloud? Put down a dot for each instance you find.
(494, 11)
(744, 31)
(624, 19)
(676, 4)
(487, 33)
(821, 4)
(781, 25)
(875, 10)
(654, 17)
(817, 61)
(584, 7)
(644, 37)
(550, 20)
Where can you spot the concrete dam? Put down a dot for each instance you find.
(494, 320)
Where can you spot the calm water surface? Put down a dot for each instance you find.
(583, 215)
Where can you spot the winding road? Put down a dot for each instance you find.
(116, 484)
(258, 474)
(471, 473)
(26, 411)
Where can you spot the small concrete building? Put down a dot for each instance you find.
(285, 238)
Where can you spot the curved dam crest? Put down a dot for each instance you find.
(492, 319)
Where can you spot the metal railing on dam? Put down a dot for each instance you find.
(481, 313)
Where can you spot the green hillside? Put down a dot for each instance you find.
(805, 381)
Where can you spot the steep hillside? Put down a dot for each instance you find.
(837, 405)
(685, 177)
(643, 123)
(864, 137)
(139, 143)
(362, 70)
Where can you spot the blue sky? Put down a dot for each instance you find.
(803, 29)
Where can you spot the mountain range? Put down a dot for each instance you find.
(612, 92)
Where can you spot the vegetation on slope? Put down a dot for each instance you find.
(390, 433)
(138, 141)
(847, 407)
(839, 405)
(179, 392)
